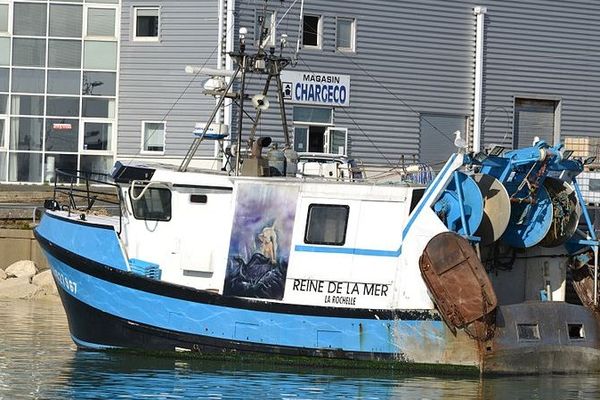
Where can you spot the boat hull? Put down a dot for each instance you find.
(111, 308)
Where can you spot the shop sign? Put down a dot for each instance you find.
(316, 88)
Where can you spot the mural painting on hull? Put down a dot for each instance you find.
(260, 243)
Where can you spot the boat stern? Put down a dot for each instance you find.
(543, 337)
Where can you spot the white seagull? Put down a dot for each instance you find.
(459, 142)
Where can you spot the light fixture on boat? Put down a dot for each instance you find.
(243, 32)
(191, 69)
(589, 160)
(214, 84)
(260, 102)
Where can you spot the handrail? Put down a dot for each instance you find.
(78, 184)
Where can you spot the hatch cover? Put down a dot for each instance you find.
(458, 282)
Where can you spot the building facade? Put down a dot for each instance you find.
(381, 82)
(58, 87)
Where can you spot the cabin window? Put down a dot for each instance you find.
(326, 224)
(417, 195)
(528, 332)
(576, 331)
(155, 204)
(198, 198)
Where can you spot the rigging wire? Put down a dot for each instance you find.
(187, 87)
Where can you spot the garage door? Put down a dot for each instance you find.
(534, 118)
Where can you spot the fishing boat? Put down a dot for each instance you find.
(469, 271)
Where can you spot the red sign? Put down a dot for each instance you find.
(62, 127)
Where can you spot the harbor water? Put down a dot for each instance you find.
(39, 361)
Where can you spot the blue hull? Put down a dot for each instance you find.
(109, 307)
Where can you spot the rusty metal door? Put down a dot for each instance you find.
(458, 283)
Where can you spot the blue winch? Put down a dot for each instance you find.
(524, 197)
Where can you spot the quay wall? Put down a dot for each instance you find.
(19, 244)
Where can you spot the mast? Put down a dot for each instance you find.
(262, 62)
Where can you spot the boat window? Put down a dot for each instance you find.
(576, 331)
(528, 331)
(417, 194)
(326, 224)
(155, 204)
(198, 198)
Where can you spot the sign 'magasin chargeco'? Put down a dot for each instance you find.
(316, 88)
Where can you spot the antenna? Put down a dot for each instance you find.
(300, 26)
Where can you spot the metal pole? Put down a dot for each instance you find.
(282, 107)
(241, 116)
(584, 210)
(194, 147)
(459, 192)
(259, 112)
(595, 275)
(478, 94)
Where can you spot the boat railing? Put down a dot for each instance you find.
(87, 192)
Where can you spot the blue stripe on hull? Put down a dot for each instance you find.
(228, 323)
(94, 243)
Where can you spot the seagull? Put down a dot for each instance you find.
(535, 140)
(459, 142)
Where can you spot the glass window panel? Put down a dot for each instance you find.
(28, 80)
(146, 22)
(62, 134)
(268, 26)
(100, 55)
(97, 135)
(64, 82)
(3, 137)
(27, 105)
(99, 83)
(98, 108)
(29, 19)
(3, 17)
(99, 164)
(313, 114)
(101, 22)
(344, 33)
(300, 138)
(4, 51)
(154, 136)
(3, 169)
(64, 53)
(103, 1)
(29, 52)
(154, 204)
(3, 103)
(26, 133)
(65, 20)
(64, 162)
(62, 106)
(310, 31)
(4, 74)
(326, 224)
(25, 167)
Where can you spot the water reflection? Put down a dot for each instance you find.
(103, 375)
(38, 360)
